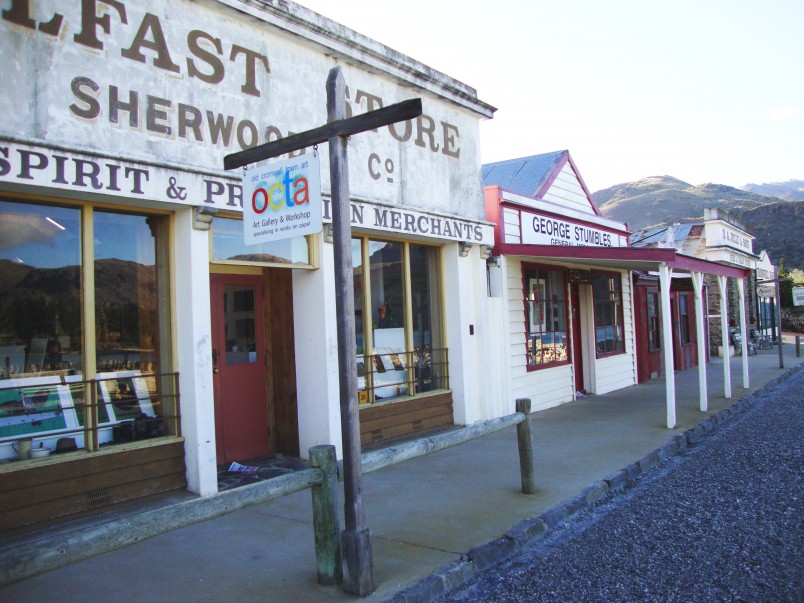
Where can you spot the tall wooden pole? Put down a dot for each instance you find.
(359, 579)
(778, 303)
(356, 537)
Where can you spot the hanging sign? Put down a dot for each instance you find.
(282, 199)
(766, 291)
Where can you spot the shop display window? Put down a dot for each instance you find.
(546, 317)
(607, 299)
(64, 386)
(397, 320)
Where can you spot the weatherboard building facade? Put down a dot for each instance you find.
(561, 278)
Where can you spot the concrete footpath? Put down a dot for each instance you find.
(448, 510)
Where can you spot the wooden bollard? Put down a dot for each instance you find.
(527, 467)
(326, 526)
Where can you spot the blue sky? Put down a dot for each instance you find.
(705, 91)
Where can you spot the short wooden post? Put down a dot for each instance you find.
(798, 346)
(527, 467)
(326, 525)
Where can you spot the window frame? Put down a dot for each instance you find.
(369, 354)
(618, 308)
(526, 291)
(90, 384)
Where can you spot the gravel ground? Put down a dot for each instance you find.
(722, 522)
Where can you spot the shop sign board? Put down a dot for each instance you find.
(798, 296)
(766, 291)
(282, 199)
(540, 229)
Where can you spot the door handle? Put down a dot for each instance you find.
(215, 368)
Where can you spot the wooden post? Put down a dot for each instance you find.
(356, 537)
(524, 434)
(326, 525)
(778, 301)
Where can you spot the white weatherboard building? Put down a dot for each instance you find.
(141, 341)
(561, 281)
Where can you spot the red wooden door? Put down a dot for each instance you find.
(239, 372)
(577, 354)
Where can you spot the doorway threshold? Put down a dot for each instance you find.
(258, 470)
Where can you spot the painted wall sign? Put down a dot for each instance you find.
(404, 221)
(722, 234)
(187, 83)
(282, 200)
(548, 230)
(23, 166)
(82, 173)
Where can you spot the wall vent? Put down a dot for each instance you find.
(99, 498)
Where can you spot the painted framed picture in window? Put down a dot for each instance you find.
(127, 393)
(35, 406)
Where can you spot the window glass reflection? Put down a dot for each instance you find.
(228, 245)
(126, 292)
(40, 290)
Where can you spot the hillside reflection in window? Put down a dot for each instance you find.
(127, 291)
(228, 246)
(546, 321)
(40, 290)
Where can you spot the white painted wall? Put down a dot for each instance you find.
(493, 356)
(463, 288)
(194, 352)
(316, 348)
(567, 191)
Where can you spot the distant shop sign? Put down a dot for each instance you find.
(548, 230)
(766, 291)
(798, 296)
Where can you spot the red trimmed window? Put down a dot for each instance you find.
(607, 298)
(546, 317)
(654, 333)
(684, 318)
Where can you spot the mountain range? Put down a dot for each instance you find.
(775, 221)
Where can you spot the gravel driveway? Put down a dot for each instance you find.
(723, 521)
